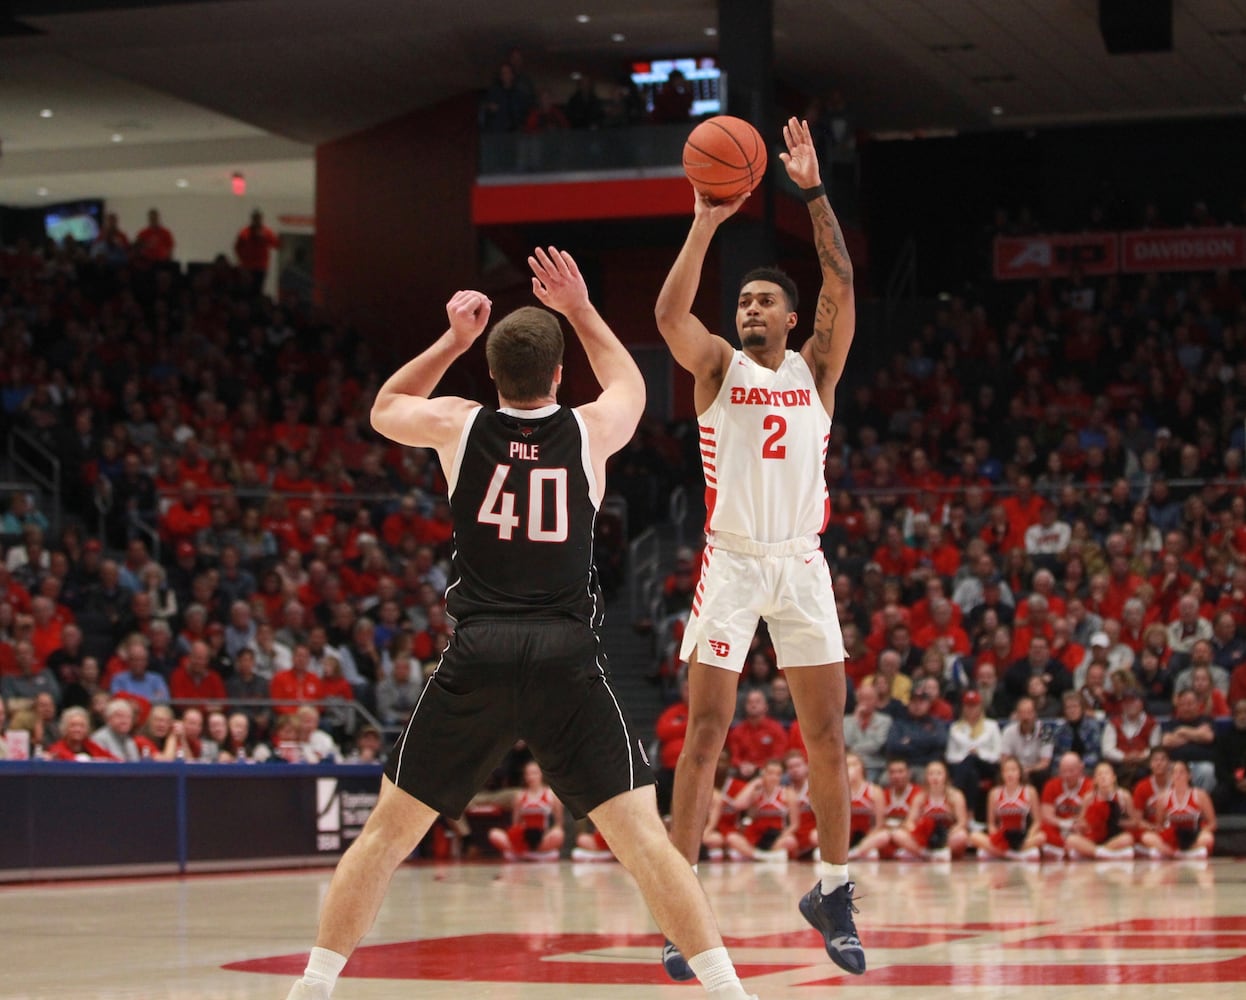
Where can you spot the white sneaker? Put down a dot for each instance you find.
(941, 854)
(1194, 854)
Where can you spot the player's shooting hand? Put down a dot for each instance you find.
(556, 280)
(716, 212)
(801, 158)
(468, 312)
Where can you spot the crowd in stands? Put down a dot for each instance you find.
(1037, 531)
(239, 561)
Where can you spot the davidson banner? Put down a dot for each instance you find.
(1183, 250)
(1134, 252)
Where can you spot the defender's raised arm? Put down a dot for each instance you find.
(612, 419)
(403, 411)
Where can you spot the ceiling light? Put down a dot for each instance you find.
(996, 110)
(182, 182)
(41, 192)
(617, 37)
(577, 75)
(711, 32)
(582, 18)
(117, 137)
(45, 113)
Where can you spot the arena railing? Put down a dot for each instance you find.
(29, 455)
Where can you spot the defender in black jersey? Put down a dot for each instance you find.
(525, 660)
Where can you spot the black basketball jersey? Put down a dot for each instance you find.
(524, 514)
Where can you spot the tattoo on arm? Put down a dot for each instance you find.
(836, 268)
(829, 238)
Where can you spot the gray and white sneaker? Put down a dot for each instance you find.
(832, 915)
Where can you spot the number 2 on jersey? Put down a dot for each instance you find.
(772, 448)
(498, 506)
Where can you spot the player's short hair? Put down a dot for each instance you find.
(524, 349)
(778, 277)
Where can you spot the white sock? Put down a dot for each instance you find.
(832, 876)
(714, 969)
(323, 966)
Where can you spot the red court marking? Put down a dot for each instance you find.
(1084, 940)
(573, 958)
(1167, 924)
(898, 937)
(503, 958)
(1079, 974)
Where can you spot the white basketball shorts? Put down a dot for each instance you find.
(742, 581)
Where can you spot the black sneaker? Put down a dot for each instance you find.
(832, 915)
(675, 964)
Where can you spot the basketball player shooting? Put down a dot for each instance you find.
(525, 660)
(765, 417)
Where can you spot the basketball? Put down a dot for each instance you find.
(724, 157)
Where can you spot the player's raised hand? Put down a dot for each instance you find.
(801, 158)
(468, 313)
(556, 280)
(716, 212)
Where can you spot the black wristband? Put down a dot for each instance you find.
(813, 193)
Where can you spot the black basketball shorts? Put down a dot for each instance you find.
(500, 680)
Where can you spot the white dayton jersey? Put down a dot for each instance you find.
(763, 451)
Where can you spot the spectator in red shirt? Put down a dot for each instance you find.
(46, 634)
(756, 739)
(670, 729)
(1038, 624)
(12, 592)
(154, 244)
(290, 433)
(300, 536)
(74, 743)
(896, 559)
(406, 520)
(292, 479)
(187, 516)
(296, 684)
(1123, 582)
(1044, 582)
(942, 630)
(438, 530)
(1023, 508)
(429, 644)
(253, 248)
(195, 678)
(1064, 647)
(193, 465)
(943, 554)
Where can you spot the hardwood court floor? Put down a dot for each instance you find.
(579, 932)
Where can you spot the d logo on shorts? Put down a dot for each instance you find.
(719, 647)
